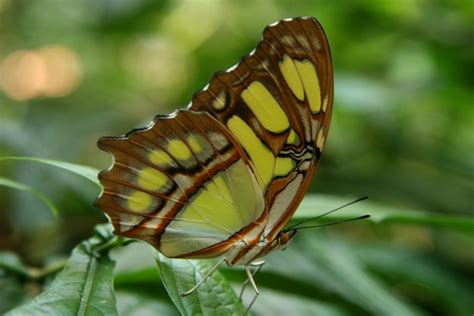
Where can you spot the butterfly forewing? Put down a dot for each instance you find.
(229, 171)
(277, 103)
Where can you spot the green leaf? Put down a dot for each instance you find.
(23, 187)
(137, 302)
(271, 302)
(84, 287)
(83, 171)
(428, 278)
(10, 261)
(213, 297)
(314, 205)
(332, 267)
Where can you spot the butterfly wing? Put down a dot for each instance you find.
(182, 184)
(277, 102)
(238, 161)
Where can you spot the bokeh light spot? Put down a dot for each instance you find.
(52, 71)
(158, 64)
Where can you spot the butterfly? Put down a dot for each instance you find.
(222, 177)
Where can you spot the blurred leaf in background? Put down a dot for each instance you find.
(402, 133)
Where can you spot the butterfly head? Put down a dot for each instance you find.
(284, 238)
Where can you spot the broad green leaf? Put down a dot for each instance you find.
(145, 276)
(139, 288)
(140, 303)
(275, 303)
(84, 171)
(84, 287)
(214, 297)
(314, 205)
(332, 268)
(447, 291)
(23, 187)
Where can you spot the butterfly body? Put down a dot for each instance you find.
(245, 254)
(222, 177)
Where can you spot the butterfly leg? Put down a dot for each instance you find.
(208, 274)
(251, 280)
(259, 266)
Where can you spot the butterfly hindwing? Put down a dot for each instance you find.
(182, 184)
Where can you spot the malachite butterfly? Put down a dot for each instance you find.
(222, 177)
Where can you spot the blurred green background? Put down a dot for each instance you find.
(402, 129)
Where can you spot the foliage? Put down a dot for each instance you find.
(83, 287)
(401, 133)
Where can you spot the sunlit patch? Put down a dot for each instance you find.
(310, 83)
(265, 107)
(194, 144)
(159, 157)
(260, 155)
(292, 78)
(139, 201)
(283, 166)
(164, 76)
(153, 179)
(293, 138)
(220, 101)
(176, 24)
(179, 150)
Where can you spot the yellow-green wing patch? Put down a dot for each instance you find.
(182, 184)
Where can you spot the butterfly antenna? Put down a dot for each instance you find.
(295, 226)
(334, 223)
